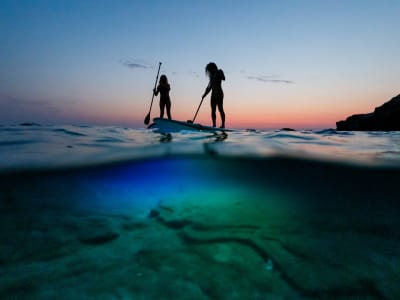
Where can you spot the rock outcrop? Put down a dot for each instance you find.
(384, 118)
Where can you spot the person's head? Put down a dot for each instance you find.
(163, 79)
(211, 69)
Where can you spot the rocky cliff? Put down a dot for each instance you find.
(385, 117)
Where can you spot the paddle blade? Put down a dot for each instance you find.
(147, 119)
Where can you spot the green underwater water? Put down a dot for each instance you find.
(201, 227)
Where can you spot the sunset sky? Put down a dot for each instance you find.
(290, 63)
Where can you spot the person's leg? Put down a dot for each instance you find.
(222, 113)
(162, 106)
(168, 105)
(213, 115)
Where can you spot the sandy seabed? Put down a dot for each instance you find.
(183, 250)
(248, 241)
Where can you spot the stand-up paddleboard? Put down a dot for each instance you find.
(167, 126)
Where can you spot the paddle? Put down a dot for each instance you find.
(147, 119)
(195, 115)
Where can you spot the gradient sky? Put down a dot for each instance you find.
(290, 63)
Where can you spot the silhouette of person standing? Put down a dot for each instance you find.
(217, 95)
(165, 102)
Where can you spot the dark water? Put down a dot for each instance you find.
(198, 217)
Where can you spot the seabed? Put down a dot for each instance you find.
(217, 240)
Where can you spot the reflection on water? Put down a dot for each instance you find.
(54, 146)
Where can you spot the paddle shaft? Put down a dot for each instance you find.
(147, 119)
(195, 115)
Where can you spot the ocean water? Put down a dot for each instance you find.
(118, 213)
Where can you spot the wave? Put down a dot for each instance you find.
(70, 145)
(69, 132)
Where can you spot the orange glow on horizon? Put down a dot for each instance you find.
(296, 114)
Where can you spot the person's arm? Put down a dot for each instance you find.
(208, 89)
(221, 74)
(156, 91)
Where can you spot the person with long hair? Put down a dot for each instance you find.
(217, 94)
(165, 101)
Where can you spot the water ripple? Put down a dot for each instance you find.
(16, 143)
(69, 132)
(55, 146)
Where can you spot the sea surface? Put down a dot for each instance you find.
(119, 213)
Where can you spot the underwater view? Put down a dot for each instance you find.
(116, 213)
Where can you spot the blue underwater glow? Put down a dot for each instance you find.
(145, 183)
